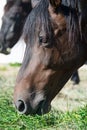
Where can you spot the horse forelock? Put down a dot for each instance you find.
(38, 18)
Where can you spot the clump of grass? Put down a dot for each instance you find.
(15, 64)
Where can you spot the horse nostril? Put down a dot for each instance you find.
(21, 106)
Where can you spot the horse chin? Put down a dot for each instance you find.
(4, 49)
(43, 108)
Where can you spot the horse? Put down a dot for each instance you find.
(56, 46)
(15, 14)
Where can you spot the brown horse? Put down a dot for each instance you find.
(15, 14)
(55, 33)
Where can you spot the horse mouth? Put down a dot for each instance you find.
(5, 51)
(43, 108)
(26, 108)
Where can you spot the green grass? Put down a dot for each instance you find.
(15, 64)
(3, 68)
(10, 119)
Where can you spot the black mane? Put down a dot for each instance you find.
(73, 20)
(76, 13)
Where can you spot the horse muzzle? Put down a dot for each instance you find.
(31, 103)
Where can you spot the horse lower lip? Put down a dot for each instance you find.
(43, 108)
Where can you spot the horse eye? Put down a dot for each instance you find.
(40, 39)
(43, 39)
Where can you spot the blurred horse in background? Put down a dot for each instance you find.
(56, 46)
(15, 14)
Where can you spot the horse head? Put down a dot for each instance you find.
(15, 13)
(55, 48)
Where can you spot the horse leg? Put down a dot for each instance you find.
(75, 78)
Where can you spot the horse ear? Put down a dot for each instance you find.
(55, 3)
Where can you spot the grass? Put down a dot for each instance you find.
(15, 64)
(10, 119)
